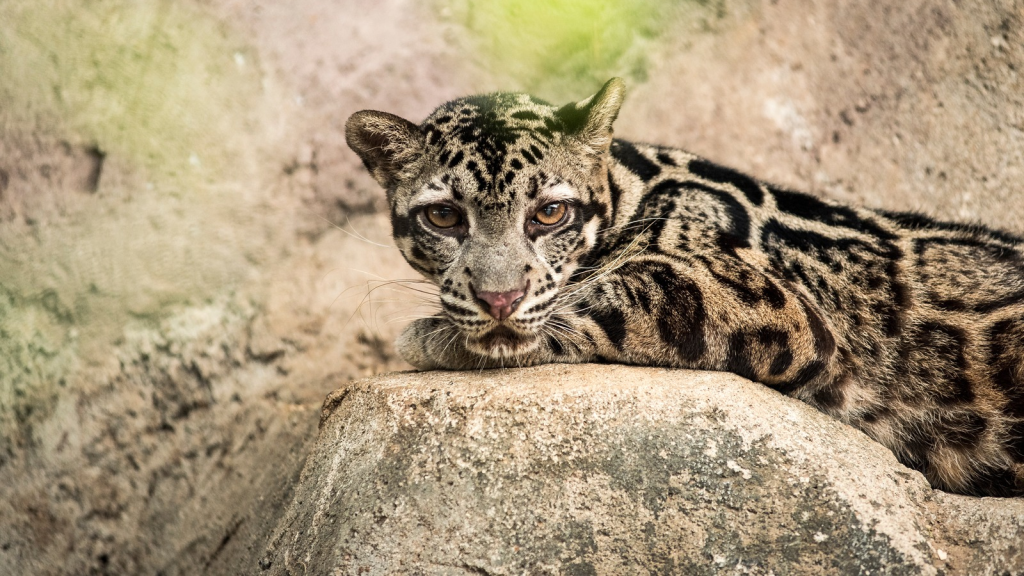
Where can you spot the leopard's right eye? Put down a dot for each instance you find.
(442, 216)
(551, 214)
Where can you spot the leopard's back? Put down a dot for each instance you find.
(928, 316)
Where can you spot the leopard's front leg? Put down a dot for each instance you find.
(436, 343)
(658, 311)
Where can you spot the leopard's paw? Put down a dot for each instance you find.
(413, 343)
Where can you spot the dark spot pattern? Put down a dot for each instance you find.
(994, 482)
(627, 155)
(1006, 348)
(811, 208)
(612, 321)
(960, 428)
(751, 288)
(669, 190)
(787, 248)
(666, 158)
(722, 175)
(525, 115)
(681, 315)
(456, 159)
(916, 221)
(831, 397)
(937, 353)
(1015, 446)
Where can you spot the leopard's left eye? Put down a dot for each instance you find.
(443, 216)
(551, 214)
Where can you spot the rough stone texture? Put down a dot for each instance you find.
(913, 105)
(616, 470)
(190, 257)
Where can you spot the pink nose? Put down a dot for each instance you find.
(500, 305)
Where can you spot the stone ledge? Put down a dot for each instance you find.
(615, 470)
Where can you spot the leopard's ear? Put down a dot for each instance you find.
(389, 146)
(590, 120)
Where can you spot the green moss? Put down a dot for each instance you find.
(36, 354)
(178, 107)
(156, 81)
(560, 47)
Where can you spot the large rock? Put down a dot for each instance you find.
(616, 470)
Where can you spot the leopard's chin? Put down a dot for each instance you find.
(503, 342)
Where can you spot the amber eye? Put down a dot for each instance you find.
(551, 214)
(443, 216)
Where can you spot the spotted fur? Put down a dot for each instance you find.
(907, 328)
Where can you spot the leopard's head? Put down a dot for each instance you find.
(496, 199)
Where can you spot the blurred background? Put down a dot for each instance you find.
(191, 258)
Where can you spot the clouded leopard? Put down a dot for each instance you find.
(550, 241)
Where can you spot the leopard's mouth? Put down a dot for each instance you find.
(503, 341)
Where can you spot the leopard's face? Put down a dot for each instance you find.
(498, 219)
(502, 198)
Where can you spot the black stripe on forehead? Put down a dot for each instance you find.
(492, 128)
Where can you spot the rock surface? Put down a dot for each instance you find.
(616, 470)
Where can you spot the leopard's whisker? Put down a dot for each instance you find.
(624, 256)
(632, 224)
(355, 235)
(438, 330)
(566, 331)
(371, 289)
(411, 285)
(409, 318)
(450, 340)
